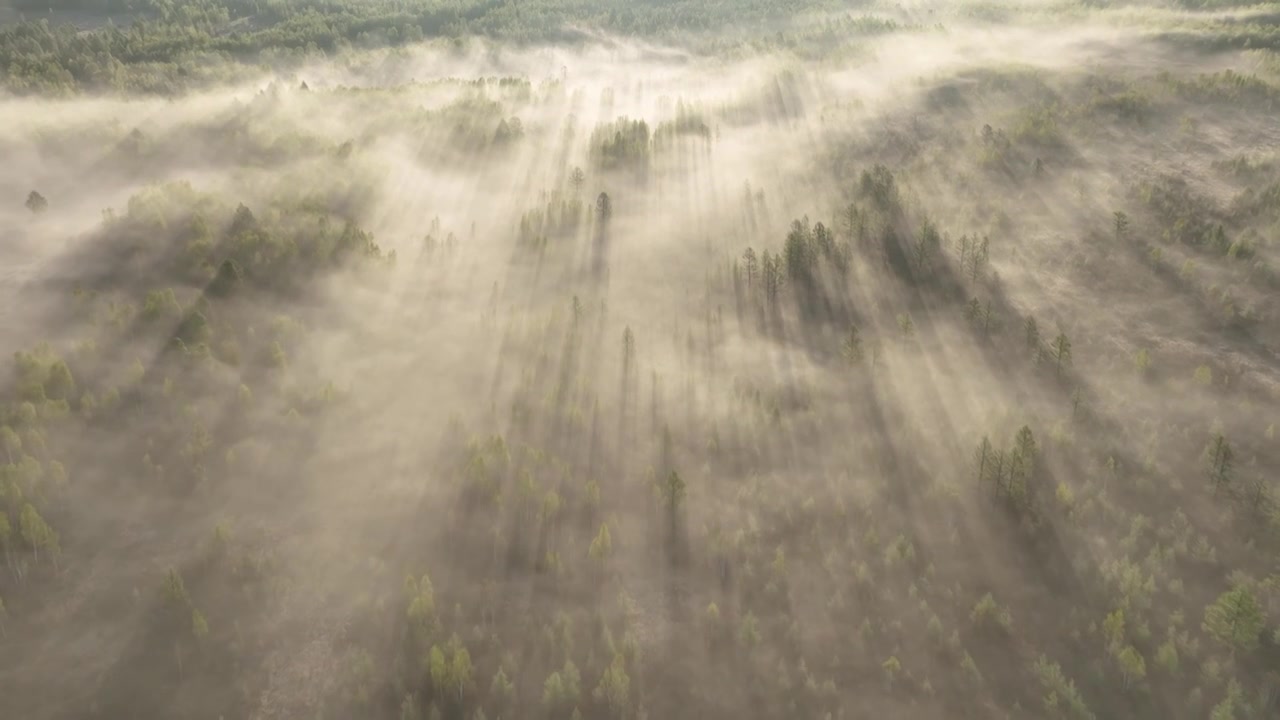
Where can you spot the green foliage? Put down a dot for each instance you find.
(614, 689)
(1233, 706)
(988, 614)
(562, 690)
(1142, 361)
(1113, 630)
(1132, 665)
(37, 534)
(173, 45)
(1061, 699)
(1167, 657)
(1235, 620)
(421, 613)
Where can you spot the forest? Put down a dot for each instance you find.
(639, 359)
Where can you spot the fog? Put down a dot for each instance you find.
(915, 372)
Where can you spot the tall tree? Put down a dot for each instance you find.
(1218, 456)
(37, 533)
(751, 265)
(1061, 352)
(982, 458)
(1033, 333)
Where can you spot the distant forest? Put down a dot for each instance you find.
(161, 46)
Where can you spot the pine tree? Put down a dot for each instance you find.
(1061, 352)
(751, 265)
(1121, 224)
(1218, 455)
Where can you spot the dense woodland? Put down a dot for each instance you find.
(440, 359)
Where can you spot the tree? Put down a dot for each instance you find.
(906, 325)
(60, 385)
(450, 669)
(501, 691)
(926, 246)
(461, 668)
(175, 590)
(1061, 696)
(855, 224)
(998, 470)
(798, 256)
(1132, 666)
(673, 490)
(751, 265)
(615, 686)
(1061, 352)
(1113, 630)
(982, 458)
(422, 607)
(12, 443)
(37, 533)
(577, 178)
(562, 689)
(852, 348)
(438, 669)
(604, 207)
(1033, 334)
(973, 311)
(1025, 445)
(979, 254)
(1142, 361)
(36, 202)
(1121, 224)
(892, 669)
(1218, 456)
(602, 546)
(1235, 619)
(1233, 702)
(1167, 656)
(1022, 463)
